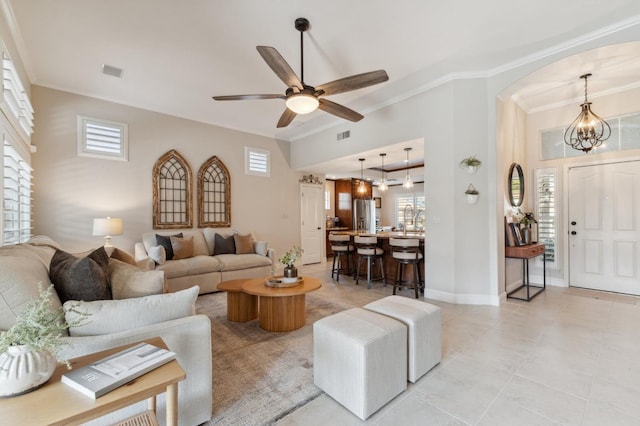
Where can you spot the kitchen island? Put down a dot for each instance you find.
(383, 242)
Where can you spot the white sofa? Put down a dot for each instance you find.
(205, 269)
(24, 266)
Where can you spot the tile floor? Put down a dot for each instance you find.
(568, 357)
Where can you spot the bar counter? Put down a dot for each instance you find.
(383, 242)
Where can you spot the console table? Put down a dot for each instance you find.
(525, 253)
(58, 404)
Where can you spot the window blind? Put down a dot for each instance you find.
(546, 213)
(417, 202)
(17, 197)
(101, 138)
(257, 162)
(15, 99)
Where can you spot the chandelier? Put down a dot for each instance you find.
(408, 183)
(588, 130)
(383, 185)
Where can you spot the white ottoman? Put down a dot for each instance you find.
(423, 322)
(359, 359)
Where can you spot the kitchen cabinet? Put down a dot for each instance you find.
(346, 190)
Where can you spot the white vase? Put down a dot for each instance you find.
(23, 370)
(472, 169)
(472, 198)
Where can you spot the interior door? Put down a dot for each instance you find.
(604, 210)
(312, 215)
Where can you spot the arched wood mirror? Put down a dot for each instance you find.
(516, 185)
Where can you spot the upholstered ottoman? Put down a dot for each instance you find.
(359, 359)
(424, 330)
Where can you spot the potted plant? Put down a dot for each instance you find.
(288, 259)
(29, 349)
(471, 164)
(472, 194)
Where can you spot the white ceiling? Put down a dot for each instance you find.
(176, 55)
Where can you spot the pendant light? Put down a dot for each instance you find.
(362, 189)
(588, 130)
(408, 183)
(383, 185)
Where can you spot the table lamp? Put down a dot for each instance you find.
(107, 226)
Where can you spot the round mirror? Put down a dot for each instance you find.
(516, 185)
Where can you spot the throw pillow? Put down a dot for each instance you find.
(243, 243)
(112, 316)
(165, 241)
(224, 245)
(158, 254)
(122, 256)
(85, 279)
(182, 247)
(129, 281)
(261, 247)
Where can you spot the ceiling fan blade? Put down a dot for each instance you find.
(279, 66)
(286, 118)
(246, 97)
(353, 82)
(339, 110)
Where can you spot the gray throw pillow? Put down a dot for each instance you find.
(224, 245)
(85, 278)
(165, 241)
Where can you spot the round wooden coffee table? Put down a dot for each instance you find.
(241, 306)
(281, 309)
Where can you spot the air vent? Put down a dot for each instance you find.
(344, 135)
(112, 71)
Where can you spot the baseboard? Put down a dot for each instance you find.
(463, 299)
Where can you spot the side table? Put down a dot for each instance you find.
(58, 404)
(525, 253)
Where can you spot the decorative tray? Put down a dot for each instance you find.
(278, 281)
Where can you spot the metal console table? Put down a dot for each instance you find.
(525, 253)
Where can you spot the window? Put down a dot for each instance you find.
(102, 139)
(171, 192)
(327, 200)
(256, 162)
(416, 200)
(214, 194)
(15, 102)
(16, 208)
(546, 213)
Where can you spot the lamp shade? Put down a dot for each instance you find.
(107, 226)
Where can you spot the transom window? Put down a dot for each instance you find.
(257, 162)
(102, 139)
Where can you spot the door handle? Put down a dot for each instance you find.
(573, 222)
(319, 228)
(573, 232)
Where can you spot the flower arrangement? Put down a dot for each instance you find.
(290, 257)
(39, 327)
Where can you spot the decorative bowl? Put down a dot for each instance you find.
(278, 281)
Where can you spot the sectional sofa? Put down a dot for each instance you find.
(117, 322)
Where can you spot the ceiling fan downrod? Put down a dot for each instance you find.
(302, 25)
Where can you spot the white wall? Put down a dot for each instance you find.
(69, 191)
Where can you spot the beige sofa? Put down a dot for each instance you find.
(205, 269)
(118, 322)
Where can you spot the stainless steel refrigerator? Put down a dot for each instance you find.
(364, 216)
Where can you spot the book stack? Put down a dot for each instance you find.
(512, 233)
(109, 373)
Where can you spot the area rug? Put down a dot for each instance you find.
(260, 376)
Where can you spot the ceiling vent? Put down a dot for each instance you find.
(112, 71)
(343, 135)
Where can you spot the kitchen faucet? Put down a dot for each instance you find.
(410, 207)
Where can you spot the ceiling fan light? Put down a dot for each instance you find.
(302, 103)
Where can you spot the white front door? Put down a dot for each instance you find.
(604, 221)
(311, 213)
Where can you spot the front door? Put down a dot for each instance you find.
(604, 221)
(311, 213)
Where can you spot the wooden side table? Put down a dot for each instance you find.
(525, 253)
(58, 404)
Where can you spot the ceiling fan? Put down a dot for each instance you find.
(302, 98)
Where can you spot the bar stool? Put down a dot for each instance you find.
(406, 251)
(342, 248)
(367, 248)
